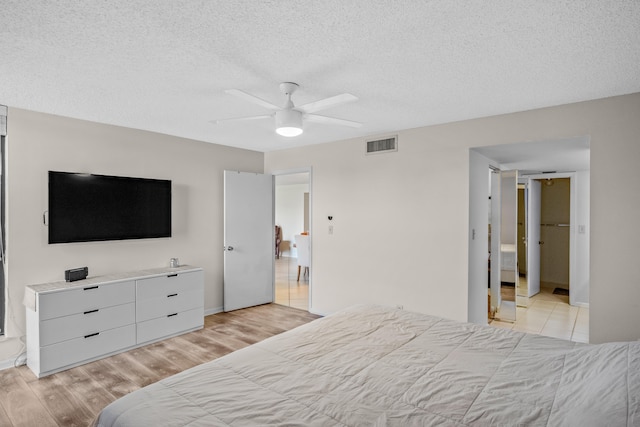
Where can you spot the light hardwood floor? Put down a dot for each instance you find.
(289, 290)
(74, 397)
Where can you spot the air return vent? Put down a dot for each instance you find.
(384, 145)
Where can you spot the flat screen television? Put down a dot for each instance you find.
(87, 208)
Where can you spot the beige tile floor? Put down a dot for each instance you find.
(290, 291)
(550, 315)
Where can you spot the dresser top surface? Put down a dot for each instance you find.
(32, 290)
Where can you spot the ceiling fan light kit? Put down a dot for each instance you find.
(289, 123)
(288, 119)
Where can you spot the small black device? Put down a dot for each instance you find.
(76, 274)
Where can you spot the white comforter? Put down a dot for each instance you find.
(375, 366)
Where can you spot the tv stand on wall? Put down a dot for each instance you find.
(72, 323)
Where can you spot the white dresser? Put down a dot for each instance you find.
(71, 323)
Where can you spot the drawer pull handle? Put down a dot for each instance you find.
(92, 335)
(90, 287)
(172, 295)
(171, 315)
(173, 275)
(92, 311)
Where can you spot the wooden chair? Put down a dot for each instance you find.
(278, 241)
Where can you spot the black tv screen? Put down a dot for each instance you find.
(87, 208)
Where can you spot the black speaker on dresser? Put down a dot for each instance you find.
(76, 274)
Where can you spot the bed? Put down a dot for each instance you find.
(378, 366)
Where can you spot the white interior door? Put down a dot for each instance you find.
(248, 239)
(533, 236)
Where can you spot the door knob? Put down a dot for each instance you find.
(228, 248)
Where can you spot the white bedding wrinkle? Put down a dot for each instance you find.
(377, 366)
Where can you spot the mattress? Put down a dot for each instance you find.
(378, 366)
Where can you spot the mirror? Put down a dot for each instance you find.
(292, 216)
(508, 244)
(522, 290)
(504, 250)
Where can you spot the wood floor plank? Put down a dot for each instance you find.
(4, 418)
(219, 343)
(245, 332)
(230, 341)
(197, 349)
(26, 373)
(162, 367)
(129, 366)
(76, 396)
(85, 389)
(64, 407)
(170, 351)
(110, 378)
(20, 405)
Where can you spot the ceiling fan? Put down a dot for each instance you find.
(288, 119)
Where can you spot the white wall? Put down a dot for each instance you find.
(401, 220)
(391, 234)
(40, 142)
(290, 212)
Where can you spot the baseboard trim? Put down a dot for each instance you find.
(6, 364)
(214, 310)
(319, 313)
(13, 362)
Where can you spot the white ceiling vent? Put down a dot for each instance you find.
(384, 145)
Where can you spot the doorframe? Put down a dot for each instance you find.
(573, 220)
(478, 219)
(308, 170)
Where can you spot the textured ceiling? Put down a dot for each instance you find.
(163, 66)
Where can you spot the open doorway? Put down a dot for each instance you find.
(293, 240)
(559, 158)
(548, 219)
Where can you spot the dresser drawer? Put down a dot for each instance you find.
(162, 286)
(174, 302)
(161, 296)
(81, 349)
(169, 325)
(90, 297)
(78, 325)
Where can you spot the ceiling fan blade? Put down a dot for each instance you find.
(331, 120)
(312, 107)
(251, 98)
(241, 119)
